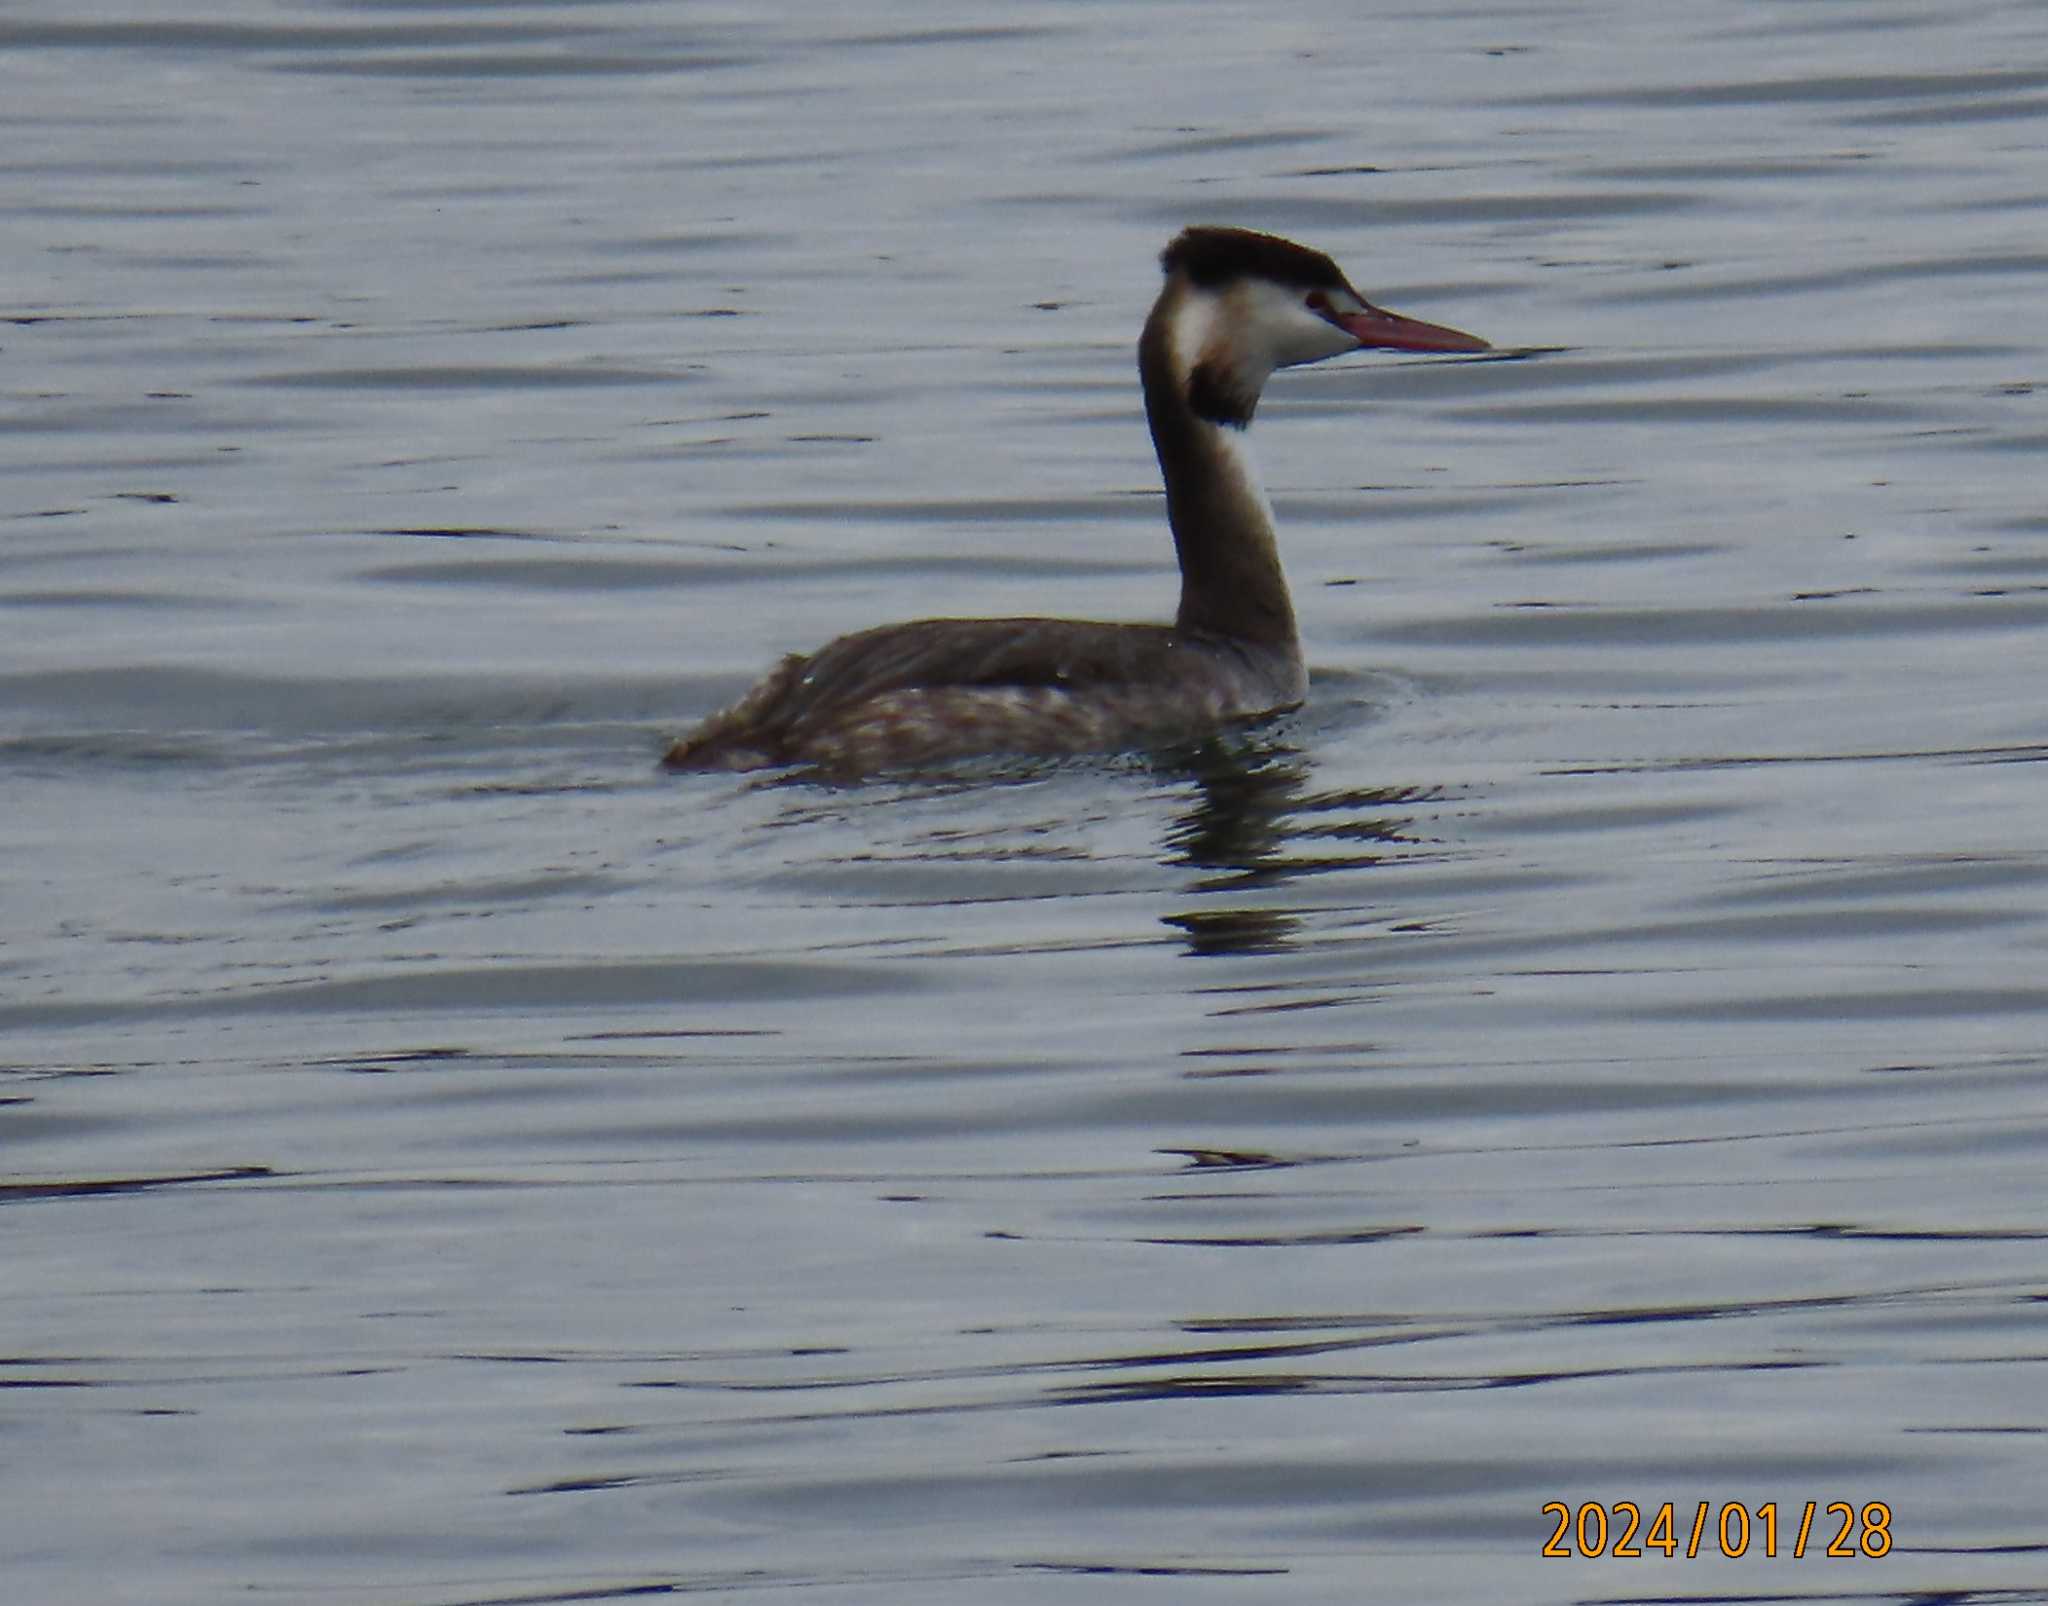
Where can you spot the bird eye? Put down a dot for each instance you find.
(1318, 303)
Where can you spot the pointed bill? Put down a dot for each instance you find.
(1389, 331)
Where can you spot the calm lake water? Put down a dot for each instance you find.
(1597, 1052)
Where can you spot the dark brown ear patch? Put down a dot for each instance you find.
(1217, 393)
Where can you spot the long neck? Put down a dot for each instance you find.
(1231, 584)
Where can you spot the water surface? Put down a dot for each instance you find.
(1593, 1053)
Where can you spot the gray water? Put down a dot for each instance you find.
(1597, 1052)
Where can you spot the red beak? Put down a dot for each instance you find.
(1389, 331)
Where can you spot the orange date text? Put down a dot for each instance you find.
(1624, 1529)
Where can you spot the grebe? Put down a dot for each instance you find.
(1236, 305)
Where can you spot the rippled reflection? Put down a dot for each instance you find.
(1255, 824)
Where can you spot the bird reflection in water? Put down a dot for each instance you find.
(1255, 823)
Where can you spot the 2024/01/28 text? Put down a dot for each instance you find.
(1619, 1529)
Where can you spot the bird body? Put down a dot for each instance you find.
(1236, 305)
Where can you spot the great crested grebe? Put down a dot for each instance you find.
(1236, 306)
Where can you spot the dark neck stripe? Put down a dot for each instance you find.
(1215, 394)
